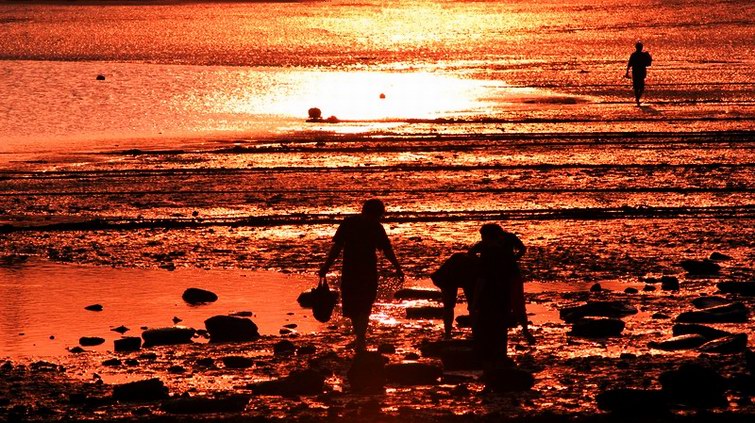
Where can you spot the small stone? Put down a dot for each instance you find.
(681, 342)
(596, 288)
(669, 283)
(196, 296)
(284, 347)
(112, 362)
(91, 341)
(597, 327)
(648, 288)
(716, 256)
(291, 326)
(700, 267)
(100, 77)
(94, 307)
(237, 362)
(660, 316)
(76, 350)
(167, 336)
(386, 348)
(120, 329)
(143, 390)
(631, 290)
(732, 344)
(176, 369)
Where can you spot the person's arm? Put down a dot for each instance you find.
(335, 251)
(391, 256)
(518, 246)
(520, 309)
(629, 65)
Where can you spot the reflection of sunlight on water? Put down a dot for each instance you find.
(355, 95)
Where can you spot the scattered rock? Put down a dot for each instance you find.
(291, 326)
(509, 379)
(306, 350)
(716, 256)
(648, 288)
(167, 336)
(76, 350)
(100, 77)
(386, 348)
(284, 347)
(94, 307)
(732, 344)
(424, 312)
(709, 301)
(680, 342)
(177, 320)
(418, 294)
(669, 283)
(112, 362)
(231, 329)
(700, 267)
(634, 401)
(202, 405)
(660, 316)
(91, 341)
(120, 329)
(176, 369)
(367, 372)
(127, 344)
(729, 313)
(206, 362)
(597, 308)
(691, 328)
(141, 390)
(694, 385)
(237, 362)
(741, 288)
(411, 356)
(631, 290)
(196, 296)
(413, 373)
(596, 288)
(597, 327)
(298, 382)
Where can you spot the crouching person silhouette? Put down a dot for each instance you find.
(498, 300)
(359, 237)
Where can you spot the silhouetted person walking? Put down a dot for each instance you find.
(639, 62)
(359, 237)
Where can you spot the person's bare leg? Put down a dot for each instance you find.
(359, 324)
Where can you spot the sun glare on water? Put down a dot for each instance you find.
(362, 96)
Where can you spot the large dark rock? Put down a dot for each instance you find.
(141, 390)
(634, 402)
(127, 344)
(418, 294)
(700, 267)
(709, 301)
(508, 379)
(199, 296)
(597, 308)
(91, 341)
(413, 373)
(695, 385)
(691, 328)
(681, 342)
(203, 405)
(231, 329)
(424, 312)
(237, 362)
(367, 372)
(597, 327)
(741, 288)
(732, 344)
(298, 382)
(167, 336)
(284, 347)
(730, 313)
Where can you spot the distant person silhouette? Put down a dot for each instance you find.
(498, 301)
(359, 237)
(639, 62)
